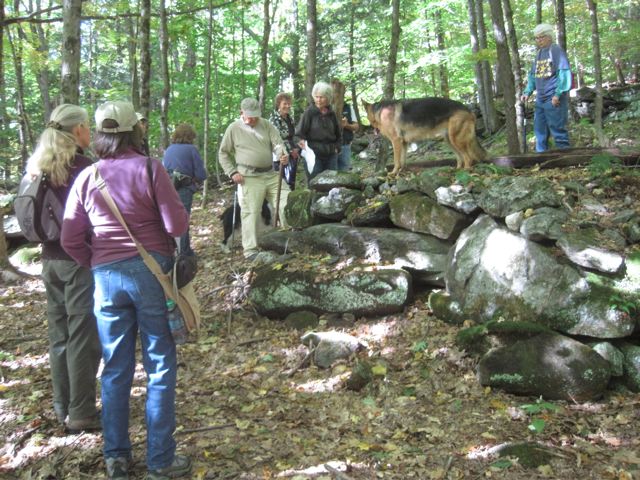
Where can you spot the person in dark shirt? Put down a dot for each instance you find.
(74, 347)
(319, 128)
(349, 126)
(144, 127)
(183, 157)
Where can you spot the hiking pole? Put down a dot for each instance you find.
(524, 127)
(233, 219)
(275, 222)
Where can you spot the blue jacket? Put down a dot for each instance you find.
(184, 158)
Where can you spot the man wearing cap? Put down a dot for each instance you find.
(550, 76)
(246, 154)
(128, 298)
(144, 126)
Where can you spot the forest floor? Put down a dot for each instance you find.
(246, 410)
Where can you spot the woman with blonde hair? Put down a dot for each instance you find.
(74, 347)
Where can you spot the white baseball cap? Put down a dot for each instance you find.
(120, 112)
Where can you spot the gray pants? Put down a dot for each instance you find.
(74, 347)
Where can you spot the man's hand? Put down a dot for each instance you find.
(555, 101)
(237, 178)
(284, 159)
(524, 98)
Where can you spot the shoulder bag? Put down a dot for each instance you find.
(184, 296)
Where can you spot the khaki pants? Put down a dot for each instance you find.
(250, 196)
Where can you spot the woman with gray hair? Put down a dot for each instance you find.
(550, 76)
(319, 128)
(74, 347)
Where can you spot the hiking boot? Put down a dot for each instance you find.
(117, 468)
(181, 466)
(89, 424)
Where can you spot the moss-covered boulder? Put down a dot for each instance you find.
(277, 292)
(329, 179)
(496, 333)
(298, 208)
(418, 213)
(549, 365)
(511, 194)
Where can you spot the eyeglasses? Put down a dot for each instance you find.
(540, 37)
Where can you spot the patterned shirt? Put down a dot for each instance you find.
(286, 128)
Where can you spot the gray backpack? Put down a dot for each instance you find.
(38, 209)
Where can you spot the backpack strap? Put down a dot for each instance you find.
(149, 261)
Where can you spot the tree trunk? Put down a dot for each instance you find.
(166, 82)
(70, 86)
(517, 67)
(389, 87)
(298, 82)
(616, 60)
(4, 120)
(505, 76)
(25, 139)
(561, 26)
(132, 43)
(597, 72)
(145, 57)
(352, 67)
(475, 50)
(538, 12)
(442, 55)
(312, 45)
(264, 54)
(207, 103)
(42, 69)
(487, 78)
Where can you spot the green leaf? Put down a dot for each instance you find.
(502, 464)
(537, 425)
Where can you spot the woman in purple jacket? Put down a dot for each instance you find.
(74, 348)
(128, 297)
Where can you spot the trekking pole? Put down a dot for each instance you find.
(275, 222)
(233, 220)
(524, 127)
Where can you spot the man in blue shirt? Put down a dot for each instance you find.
(550, 76)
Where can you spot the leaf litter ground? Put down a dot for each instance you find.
(247, 410)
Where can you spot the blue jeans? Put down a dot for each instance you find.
(344, 158)
(128, 298)
(324, 163)
(186, 196)
(551, 120)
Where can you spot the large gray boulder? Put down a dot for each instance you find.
(494, 272)
(548, 365)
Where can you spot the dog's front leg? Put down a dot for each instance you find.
(398, 155)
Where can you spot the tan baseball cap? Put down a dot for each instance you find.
(250, 107)
(120, 112)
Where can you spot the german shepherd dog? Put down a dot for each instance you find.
(406, 121)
